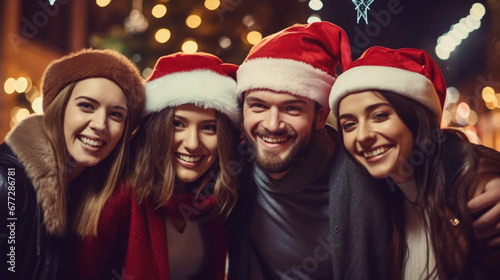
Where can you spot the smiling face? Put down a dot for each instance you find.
(374, 134)
(94, 120)
(195, 142)
(278, 128)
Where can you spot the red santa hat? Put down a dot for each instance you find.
(300, 60)
(408, 72)
(200, 78)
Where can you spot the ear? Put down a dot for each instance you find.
(322, 117)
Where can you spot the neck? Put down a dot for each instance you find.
(74, 171)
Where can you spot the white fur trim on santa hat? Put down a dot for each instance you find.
(200, 87)
(407, 83)
(285, 75)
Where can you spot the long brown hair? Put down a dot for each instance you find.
(152, 171)
(432, 196)
(96, 190)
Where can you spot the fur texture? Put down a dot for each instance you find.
(200, 87)
(285, 75)
(28, 141)
(407, 83)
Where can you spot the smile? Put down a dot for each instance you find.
(376, 152)
(273, 140)
(190, 159)
(91, 142)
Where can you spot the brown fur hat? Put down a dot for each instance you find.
(90, 63)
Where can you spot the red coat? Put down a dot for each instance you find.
(131, 243)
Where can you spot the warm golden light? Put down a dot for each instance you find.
(21, 84)
(212, 4)
(488, 94)
(193, 21)
(102, 3)
(189, 46)
(162, 35)
(10, 85)
(253, 37)
(36, 105)
(159, 11)
(473, 118)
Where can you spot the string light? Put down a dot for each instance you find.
(159, 11)
(102, 3)
(193, 21)
(162, 35)
(189, 46)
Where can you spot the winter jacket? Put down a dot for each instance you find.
(32, 212)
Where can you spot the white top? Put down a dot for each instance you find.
(186, 251)
(418, 239)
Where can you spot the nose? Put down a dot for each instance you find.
(273, 121)
(98, 121)
(365, 135)
(191, 139)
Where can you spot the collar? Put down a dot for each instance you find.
(30, 144)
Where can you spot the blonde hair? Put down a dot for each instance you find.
(96, 191)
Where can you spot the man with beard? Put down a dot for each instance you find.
(308, 211)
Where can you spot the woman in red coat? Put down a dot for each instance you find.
(167, 220)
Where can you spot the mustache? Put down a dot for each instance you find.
(260, 131)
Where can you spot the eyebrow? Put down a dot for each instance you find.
(187, 120)
(367, 109)
(287, 102)
(117, 107)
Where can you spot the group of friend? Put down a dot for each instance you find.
(207, 170)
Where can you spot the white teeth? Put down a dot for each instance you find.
(375, 152)
(189, 159)
(273, 140)
(91, 142)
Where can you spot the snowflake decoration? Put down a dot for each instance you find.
(362, 7)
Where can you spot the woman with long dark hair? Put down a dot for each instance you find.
(388, 104)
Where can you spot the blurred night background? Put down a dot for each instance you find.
(35, 32)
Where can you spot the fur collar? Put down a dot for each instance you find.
(31, 146)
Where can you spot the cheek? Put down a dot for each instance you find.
(250, 120)
(349, 143)
(116, 131)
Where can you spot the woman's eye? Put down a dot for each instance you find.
(85, 106)
(381, 116)
(178, 124)
(348, 126)
(118, 115)
(210, 127)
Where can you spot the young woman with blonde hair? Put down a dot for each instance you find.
(57, 170)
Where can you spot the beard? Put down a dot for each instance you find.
(269, 160)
